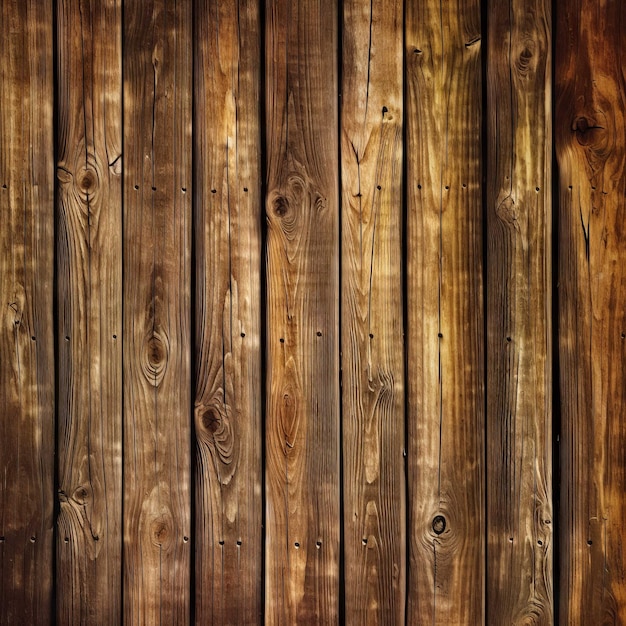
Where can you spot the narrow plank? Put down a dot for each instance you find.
(302, 440)
(27, 334)
(227, 231)
(589, 132)
(372, 341)
(89, 254)
(157, 332)
(519, 313)
(445, 377)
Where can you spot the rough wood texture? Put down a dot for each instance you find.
(445, 313)
(372, 342)
(227, 226)
(519, 310)
(157, 333)
(590, 125)
(27, 332)
(89, 253)
(302, 472)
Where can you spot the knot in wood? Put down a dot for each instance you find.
(155, 357)
(524, 60)
(439, 524)
(161, 533)
(211, 420)
(587, 130)
(87, 181)
(281, 206)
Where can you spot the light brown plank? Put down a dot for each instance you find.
(27, 332)
(157, 333)
(227, 222)
(302, 440)
(519, 314)
(589, 132)
(445, 380)
(372, 326)
(89, 253)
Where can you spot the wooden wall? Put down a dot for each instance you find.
(313, 312)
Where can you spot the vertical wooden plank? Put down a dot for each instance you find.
(227, 223)
(519, 310)
(89, 250)
(589, 130)
(445, 313)
(157, 333)
(372, 339)
(302, 471)
(27, 333)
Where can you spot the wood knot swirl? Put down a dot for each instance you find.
(155, 357)
(87, 181)
(161, 532)
(439, 524)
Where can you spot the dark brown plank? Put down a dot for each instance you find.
(302, 441)
(227, 221)
(27, 334)
(372, 340)
(445, 379)
(89, 253)
(519, 313)
(157, 333)
(589, 133)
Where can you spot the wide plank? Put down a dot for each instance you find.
(589, 133)
(445, 340)
(27, 378)
(302, 248)
(374, 487)
(157, 302)
(519, 313)
(89, 359)
(227, 223)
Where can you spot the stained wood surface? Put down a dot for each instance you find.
(445, 313)
(302, 428)
(589, 133)
(157, 299)
(89, 254)
(519, 314)
(227, 222)
(372, 343)
(27, 333)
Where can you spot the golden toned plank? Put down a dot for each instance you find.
(157, 333)
(519, 313)
(445, 380)
(89, 252)
(27, 330)
(589, 132)
(372, 327)
(302, 440)
(227, 221)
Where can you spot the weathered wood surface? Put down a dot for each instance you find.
(27, 332)
(445, 378)
(302, 436)
(157, 301)
(519, 313)
(89, 360)
(589, 132)
(372, 343)
(227, 223)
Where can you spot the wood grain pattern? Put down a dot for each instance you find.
(519, 314)
(590, 128)
(302, 439)
(372, 342)
(157, 333)
(27, 330)
(227, 226)
(89, 253)
(445, 378)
